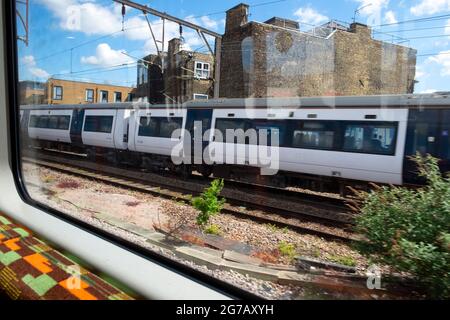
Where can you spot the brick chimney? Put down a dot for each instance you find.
(236, 17)
(361, 29)
(174, 46)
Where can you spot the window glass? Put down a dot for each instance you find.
(168, 126)
(57, 93)
(269, 131)
(89, 95)
(340, 86)
(103, 96)
(117, 97)
(102, 124)
(63, 122)
(370, 138)
(43, 122)
(53, 122)
(314, 135)
(148, 127)
(34, 121)
(201, 70)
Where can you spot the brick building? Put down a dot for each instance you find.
(31, 92)
(186, 75)
(74, 92)
(275, 59)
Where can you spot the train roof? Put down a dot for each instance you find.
(383, 101)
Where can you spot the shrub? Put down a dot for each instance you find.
(409, 228)
(344, 260)
(213, 229)
(209, 203)
(287, 249)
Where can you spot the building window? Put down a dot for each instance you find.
(103, 96)
(117, 96)
(57, 93)
(142, 73)
(202, 70)
(198, 96)
(89, 95)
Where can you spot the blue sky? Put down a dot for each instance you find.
(82, 39)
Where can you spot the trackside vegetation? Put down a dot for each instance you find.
(209, 203)
(409, 229)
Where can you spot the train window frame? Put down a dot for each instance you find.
(393, 148)
(98, 124)
(15, 155)
(158, 121)
(301, 128)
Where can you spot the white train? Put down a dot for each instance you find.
(326, 142)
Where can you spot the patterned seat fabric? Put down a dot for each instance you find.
(30, 269)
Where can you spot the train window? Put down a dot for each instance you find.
(102, 124)
(53, 122)
(269, 132)
(298, 82)
(148, 127)
(43, 122)
(159, 127)
(63, 122)
(33, 121)
(370, 138)
(222, 125)
(168, 126)
(314, 135)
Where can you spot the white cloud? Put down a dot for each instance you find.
(427, 7)
(443, 60)
(420, 73)
(308, 15)
(39, 73)
(428, 91)
(29, 62)
(447, 28)
(94, 19)
(372, 7)
(107, 57)
(389, 17)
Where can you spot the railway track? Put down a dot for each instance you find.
(283, 208)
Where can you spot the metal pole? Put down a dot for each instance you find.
(154, 12)
(218, 59)
(153, 35)
(163, 42)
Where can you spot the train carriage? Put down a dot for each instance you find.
(331, 140)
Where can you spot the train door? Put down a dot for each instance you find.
(76, 126)
(423, 136)
(197, 123)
